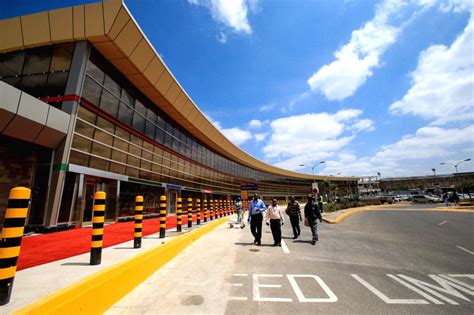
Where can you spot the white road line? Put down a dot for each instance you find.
(466, 250)
(237, 298)
(240, 275)
(443, 222)
(284, 247)
(236, 284)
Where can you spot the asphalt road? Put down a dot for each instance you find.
(391, 262)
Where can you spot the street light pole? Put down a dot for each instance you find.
(456, 168)
(312, 168)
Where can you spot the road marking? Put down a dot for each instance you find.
(443, 222)
(466, 250)
(413, 288)
(237, 298)
(331, 296)
(452, 278)
(257, 285)
(240, 275)
(445, 287)
(284, 247)
(385, 298)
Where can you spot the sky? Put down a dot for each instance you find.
(366, 86)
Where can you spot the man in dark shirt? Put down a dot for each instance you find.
(311, 213)
(294, 212)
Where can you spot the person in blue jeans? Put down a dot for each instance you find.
(256, 209)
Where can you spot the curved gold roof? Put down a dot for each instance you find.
(112, 30)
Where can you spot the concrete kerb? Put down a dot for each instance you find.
(98, 292)
(349, 212)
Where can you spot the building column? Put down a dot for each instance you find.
(73, 87)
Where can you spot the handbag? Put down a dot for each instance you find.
(306, 223)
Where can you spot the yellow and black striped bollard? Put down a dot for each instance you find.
(211, 208)
(221, 209)
(190, 212)
(179, 214)
(97, 227)
(198, 211)
(205, 209)
(12, 234)
(162, 216)
(138, 232)
(216, 209)
(227, 206)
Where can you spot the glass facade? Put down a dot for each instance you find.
(41, 72)
(131, 136)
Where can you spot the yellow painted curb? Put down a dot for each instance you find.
(98, 292)
(357, 210)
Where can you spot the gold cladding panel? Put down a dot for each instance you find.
(193, 115)
(181, 101)
(60, 22)
(187, 109)
(11, 36)
(154, 70)
(138, 80)
(173, 93)
(128, 38)
(142, 55)
(35, 29)
(124, 66)
(111, 9)
(164, 82)
(109, 50)
(94, 19)
(120, 21)
(79, 22)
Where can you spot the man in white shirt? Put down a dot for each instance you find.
(275, 219)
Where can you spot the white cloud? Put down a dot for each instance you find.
(259, 137)
(363, 125)
(355, 61)
(266, 107)
(236, 135)
(232, 14)
(413, 154)
(222, 38)
(443, 82)
(255, 123)
(307, 138)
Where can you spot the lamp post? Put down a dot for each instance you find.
(434, 171)
(312, 167)
(456, 168)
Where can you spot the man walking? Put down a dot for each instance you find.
(294, 212)
(320, 202)
(311, 213)
(275, 217)
(239, 209)
(257, 208)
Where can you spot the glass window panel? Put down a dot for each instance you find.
(168, 140)
(125, 114)
(122, 134)
(109, 103)
(159, 135)
(158, 151)
(148, 146)
(156, 168)
(103, 137)
(81, 144)
(84, 129)
(95, 72)
(56, 83)
(37, 60)
(139, 107)
(62, 56)
(105, 124)
(112, 86)
(176, 144)
(160, 122)
(79, 158)
(146, 165)
(119, 156)
(35, 85)
(101, 150)
(133, 161)
(131, 171)
(150, 129)
(91, 91)
(126, 98)
(11, 64)
(13, 81)
(117, 168)
(99, 163)
(87, 115)
(138, 122)
(147, 155)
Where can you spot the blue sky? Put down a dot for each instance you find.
(367, 86)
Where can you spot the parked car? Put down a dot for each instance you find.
(424, 199)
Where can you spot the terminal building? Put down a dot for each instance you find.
(87, 104)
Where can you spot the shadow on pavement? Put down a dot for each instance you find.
(301, 241)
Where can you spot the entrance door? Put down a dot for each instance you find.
(89, 202)
(172, 198)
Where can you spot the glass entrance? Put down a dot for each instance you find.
(89, 202)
